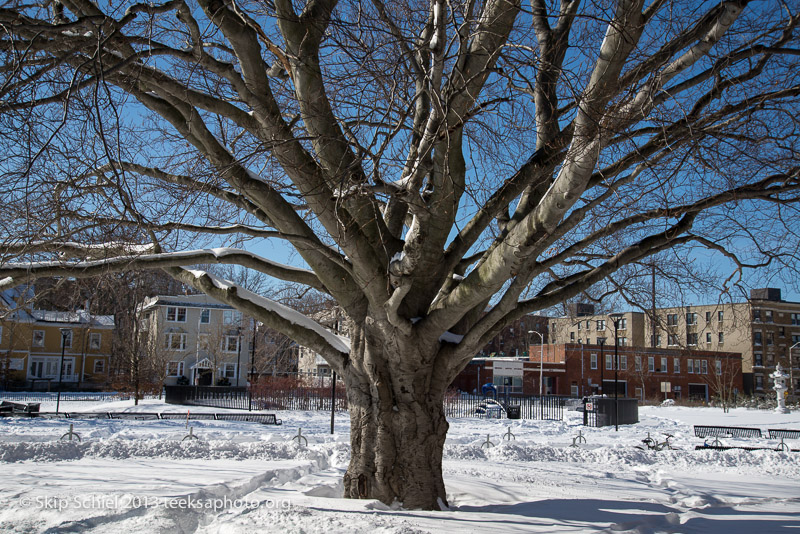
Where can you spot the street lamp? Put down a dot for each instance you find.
(616, 318)
(238, 354)
(65, 333)
(541, 357)
(791, 368)
(252, 365)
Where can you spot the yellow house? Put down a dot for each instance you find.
(33, 342)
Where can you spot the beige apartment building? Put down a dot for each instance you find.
(597, 329)
(765, 330)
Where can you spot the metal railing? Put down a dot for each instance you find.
(319, 399)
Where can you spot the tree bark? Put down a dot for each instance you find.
(397, 431)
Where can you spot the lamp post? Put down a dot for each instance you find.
(252, 365)
(238, 353)
(602, 342)
(616, 317)
(541, 367)
(65, 333)
(791, 369)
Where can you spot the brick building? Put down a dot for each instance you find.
(578, 370)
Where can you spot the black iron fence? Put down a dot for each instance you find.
(547, 407)
(316, 398)
(296, 398)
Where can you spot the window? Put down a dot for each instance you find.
(720, 316)
(663, 364)
(205, 316)
(601, 324)
(609, 362)
(651, 363)
(66, 338)
(622, 341)
(691, 318)
(230, 370)
(672, 319)
(721, 338)
(232, 317)
(94, 341)
(782, 332)
(38, 338)
(99, 367)
(637, 362)
(580, 341)
(795, 339)
(708, 337)
(623, 363)
(579, 324)
(572, 336)
(690, 366)
(623, 324)
(175, 341)
(676, 365)
(593, 361)
(795, 317)
(718, 367)
(770, 338)
(697, 367)
(657, 341)
(176, 315)
(672, 339)
(231, 343)
(691, 338)
(175, 369)
(758, 359)
(759, 382)
(708, 317)
(756, 315)
(768, 316)
(756, 338)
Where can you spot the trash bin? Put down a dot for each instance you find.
(513, 412)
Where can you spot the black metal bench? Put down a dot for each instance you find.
(134, 416)
(717, 432)
(263, 418)
(781, 433)
(192, 416)
(30, 409)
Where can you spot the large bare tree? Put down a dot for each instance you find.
(440, 168)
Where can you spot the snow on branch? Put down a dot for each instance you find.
(338, 343)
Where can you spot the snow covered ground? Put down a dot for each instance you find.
(139, 477)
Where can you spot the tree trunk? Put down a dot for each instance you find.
(397, 433)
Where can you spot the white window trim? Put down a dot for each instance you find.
(33, 340)
(176, 316)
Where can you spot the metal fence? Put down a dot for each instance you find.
(549, 407)
(298, 398)
(69, 396)
(314, 398)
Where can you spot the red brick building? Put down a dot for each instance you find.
(579, 370)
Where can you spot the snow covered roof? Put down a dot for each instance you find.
(184, 301)
(73, 317)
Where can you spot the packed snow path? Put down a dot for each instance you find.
(137, 476)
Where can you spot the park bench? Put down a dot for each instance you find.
(134, 416)
(717, 432)
(783, 434)
(192, 416)
(263, 418)
(30, 409)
